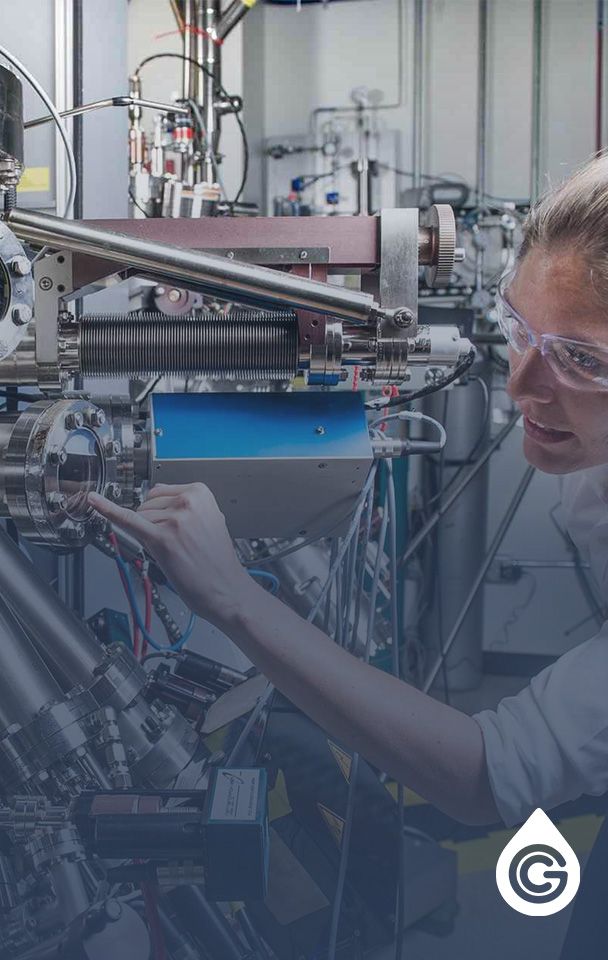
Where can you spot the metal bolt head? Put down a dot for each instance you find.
(74, 420)
(303, 254)
(320, 430)
(158, 432)
(159, 291)
(21, 314)
(113, 448)
(75, 532)
(57, 457)
(20, 266)
(174, 295)
(45, 283)
(230, 255)
(96, 417)
(113, 491)
(56, 502)
(403, 317)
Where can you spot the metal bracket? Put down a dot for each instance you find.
(53, 284)
(271, 256)
(399, 270)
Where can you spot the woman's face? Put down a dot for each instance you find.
(566, 428)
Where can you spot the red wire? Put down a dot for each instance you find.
(154, 925)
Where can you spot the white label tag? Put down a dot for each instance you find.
(236, 795)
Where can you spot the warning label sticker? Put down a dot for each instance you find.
(342, 758)
(335, 824)
(236, 795)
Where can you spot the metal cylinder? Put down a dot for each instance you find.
(26, 683)
(482, 101)
(240, 346)
(11, 116)
(461, 538)
(205, 272)
(62, 640)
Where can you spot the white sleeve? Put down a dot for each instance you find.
(549, 744)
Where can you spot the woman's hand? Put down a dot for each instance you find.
(185, 531)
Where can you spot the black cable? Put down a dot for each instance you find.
(135, 203)
(224, 92)
(404, 398)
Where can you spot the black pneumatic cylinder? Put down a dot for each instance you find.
(244, 345)
(11, 115)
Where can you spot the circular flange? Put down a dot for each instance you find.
(59, 452)
(16, 292)
(443, 225)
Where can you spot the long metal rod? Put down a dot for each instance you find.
(66, 646)
(112, 102)
(418, 112)
(449, 502)
(537, 94)
(482, 102)
(499, 536)
(245, 283)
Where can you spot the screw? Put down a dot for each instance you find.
(56, 502)
(46, 283)
(113, 491)
(320, 430)
(159, 291)
(230, 255)
(174, 295)
(21, 314)
(75, 532)
(113, 448)
(322, 466)
(95, 417)
(57, 456)
(158, 432)
(303, 254)
(73, 421)
(403, 317)
(20, 266)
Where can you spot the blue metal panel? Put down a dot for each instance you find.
(259, 425)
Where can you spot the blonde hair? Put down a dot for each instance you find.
(575, 213)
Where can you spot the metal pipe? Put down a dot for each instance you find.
(66, 646)
(451, 499)
(232, 15)
(187, 75)
(245, 283)
(482, 101)
(418, 94)
(26, 683)
(502, 531)
(537, 68)
(156, 105)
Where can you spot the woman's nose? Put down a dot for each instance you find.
(529, 378)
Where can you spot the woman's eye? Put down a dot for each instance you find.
(588, 364)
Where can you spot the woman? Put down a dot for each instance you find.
(547, 745)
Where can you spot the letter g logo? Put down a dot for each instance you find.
(538, 872)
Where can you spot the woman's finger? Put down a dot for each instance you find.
(141, 528)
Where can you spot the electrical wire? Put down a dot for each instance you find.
(275, 583)
(137, 204)
(459, 371)
(223, 91)
(25, 73)
(474, 449)
(416, 416)
(148, 638)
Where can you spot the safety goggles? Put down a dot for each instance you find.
(574, 363)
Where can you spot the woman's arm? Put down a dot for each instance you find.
(428, 746)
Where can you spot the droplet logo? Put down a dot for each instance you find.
(538, 872)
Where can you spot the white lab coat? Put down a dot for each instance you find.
(549, 744)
